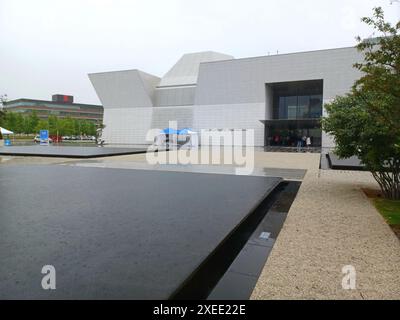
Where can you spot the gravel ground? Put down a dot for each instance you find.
(332, 224)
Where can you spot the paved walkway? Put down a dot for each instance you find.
(261, 159)
(332, 224)
(287, 174)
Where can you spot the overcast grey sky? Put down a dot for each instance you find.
(49, 46)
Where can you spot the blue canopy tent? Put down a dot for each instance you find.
(191, 138)
(170, 131)
(175, 138)
(185, 131)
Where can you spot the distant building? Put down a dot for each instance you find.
(61, 106)
(279, 97)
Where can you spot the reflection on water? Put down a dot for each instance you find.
(79, 144)
(64, 144)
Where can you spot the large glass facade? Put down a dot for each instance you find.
(300, 107)
(297, 108)
(298, 100)
(288, 133)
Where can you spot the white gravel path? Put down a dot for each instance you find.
(332, 224)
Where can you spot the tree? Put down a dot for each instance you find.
(88, 127)
(53, 124)
(366, 122)
(2, 118)
(10, 120)
(42, 125)
(66, 127)
(3, 99)
(91, 128)
(33, 121)
(19, 123)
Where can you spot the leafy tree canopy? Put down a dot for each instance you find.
(31, 124)
(366, 122)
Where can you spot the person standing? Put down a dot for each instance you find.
(308, 142)
(276, 140)
(299, 144)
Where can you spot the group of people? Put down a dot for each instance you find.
(305, 141)
(299, 141)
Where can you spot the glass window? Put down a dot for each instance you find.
(316, 106)
(303, 107)
(291, 103)
(297, 100)
(282, 108)
(300, 107)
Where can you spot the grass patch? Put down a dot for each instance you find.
(390, 210)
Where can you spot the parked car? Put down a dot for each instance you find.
(36, 139)
(55, 138)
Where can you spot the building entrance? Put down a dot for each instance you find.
(288, 133)
(296, 113)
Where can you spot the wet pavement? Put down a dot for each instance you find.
(287, 174)
(114, 234)
(68, 152)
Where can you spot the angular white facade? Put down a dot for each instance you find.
(210, 90)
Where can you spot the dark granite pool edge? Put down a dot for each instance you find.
(344, 164)
(205, 277)
(69, 156)
(242, 276)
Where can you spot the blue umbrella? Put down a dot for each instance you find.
(170, 131)
(185, 131)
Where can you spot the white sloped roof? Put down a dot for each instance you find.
(124, 89)
(186, 70)
(5, 131)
